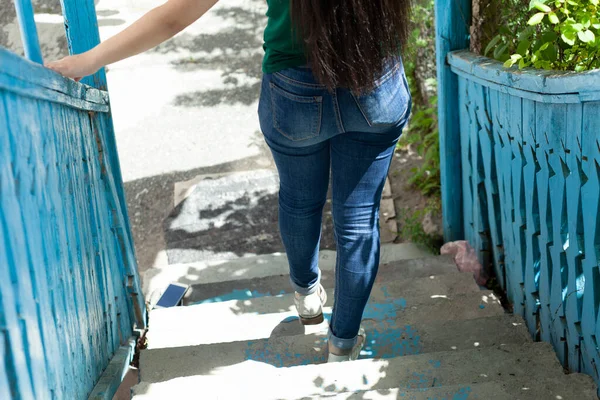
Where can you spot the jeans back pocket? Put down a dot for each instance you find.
(388, 103)
(296, 117)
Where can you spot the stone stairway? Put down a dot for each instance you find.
(432, 334)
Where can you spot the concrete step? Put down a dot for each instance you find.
(251, 267)
(227, 216)
(386, 339)
(257, 380)
(404, 272)
(570, 387)
(211, 211)
(264, 317)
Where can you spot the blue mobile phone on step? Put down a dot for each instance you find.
(172, 296)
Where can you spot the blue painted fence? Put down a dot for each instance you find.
(529, 179)
(70, 299)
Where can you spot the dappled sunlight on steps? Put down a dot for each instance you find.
(431, 333)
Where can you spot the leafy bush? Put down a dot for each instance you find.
(411, 225)
(555, 34)
(423, 133)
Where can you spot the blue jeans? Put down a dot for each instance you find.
(313, 133)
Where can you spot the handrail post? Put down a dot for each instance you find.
(453, 18)
(29, 35)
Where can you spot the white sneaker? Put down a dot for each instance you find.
(310, 307)
(354, 352)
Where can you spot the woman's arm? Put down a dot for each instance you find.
(153, 28)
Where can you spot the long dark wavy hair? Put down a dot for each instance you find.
(347, 42)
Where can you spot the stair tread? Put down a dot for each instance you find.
(571, 387)
(185, 326)
(248, 268)
(480, 365)
(408, 288)
(405, 272)
(385, 339)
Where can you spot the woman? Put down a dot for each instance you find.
(334, 101)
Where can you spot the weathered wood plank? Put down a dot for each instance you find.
(532, 229)
(26, 89)
(565, 98)
(452, 33)
(22, 263)
(467, 197)
(552, 127)
(545, 237)
(55, 241)
(519, 217)
(501, 245)
(18, 68)
(532, 80)
(571, 142)
(29, 35)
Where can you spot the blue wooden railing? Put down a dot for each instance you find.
(521, 182)
(70, 298)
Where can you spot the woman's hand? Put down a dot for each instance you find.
(75, 67)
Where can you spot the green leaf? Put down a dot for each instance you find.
(536, 19)
(526, 33)
(569, 37)
(553, 18)
(549, 37)
(586, 36)
(492, 44)
(500, 50)
(586, 21)
(503, 57)
(532, 3)
(551, 54)
(505, 31)
(522, 64)
(577, 27)
(523, 47)
(594, 2)
(512, 60)
(541, 6)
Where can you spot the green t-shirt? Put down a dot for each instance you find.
(282, 49)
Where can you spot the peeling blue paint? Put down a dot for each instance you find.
(389, 342)
(381, 311)
(463, 393)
